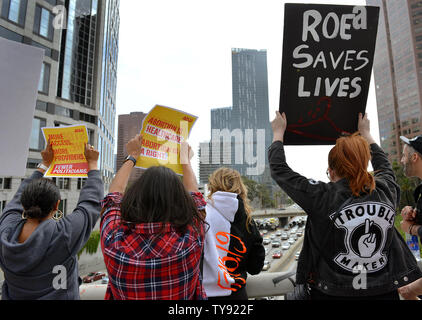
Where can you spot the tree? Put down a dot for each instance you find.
(260, 192)
(407, 186)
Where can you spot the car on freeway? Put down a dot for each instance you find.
(277, 254)
(93, 276)
(275, 244)
(266, 241)
(284, 236)
(299, 233)
(285, 246)
(266, 266)
(297, 255)
(291, 241)
(273, 237)
(278, 233)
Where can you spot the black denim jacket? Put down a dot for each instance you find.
(350, 249)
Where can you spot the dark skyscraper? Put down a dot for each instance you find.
(250, 112)
(250, 89)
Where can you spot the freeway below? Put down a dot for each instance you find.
(287, 258)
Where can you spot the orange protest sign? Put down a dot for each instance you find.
(68, 144)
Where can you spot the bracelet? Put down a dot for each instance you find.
(41, 166)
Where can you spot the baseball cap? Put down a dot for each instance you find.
(415, 143)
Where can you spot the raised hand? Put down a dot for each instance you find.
(47, 155)
(279, 126)
(134, 146)
(364, 127)
(186, 153)
(91, 156)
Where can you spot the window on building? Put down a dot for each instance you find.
(65, 112)
(32, 163)
(62, 183)
(43, 23)
(41, 105)
(44, 79)
(2, 205)
(5, 183)
(36, 141)
(81, 183)
(14, 11)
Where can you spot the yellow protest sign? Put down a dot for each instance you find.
(68, 144)
(163, 130)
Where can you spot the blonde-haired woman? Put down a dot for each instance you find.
(233, 245)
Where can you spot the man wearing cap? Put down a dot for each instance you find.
(412, 217)
(412, 164)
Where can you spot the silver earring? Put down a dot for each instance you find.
(58, 215)
(24, 216)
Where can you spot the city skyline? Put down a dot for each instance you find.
(184, 61)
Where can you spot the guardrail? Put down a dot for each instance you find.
(259, 286)
(271, 284)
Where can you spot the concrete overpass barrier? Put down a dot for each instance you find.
(261, 285)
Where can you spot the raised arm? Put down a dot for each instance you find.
(120, 181)
(82, 220)
(14, 205)
(189, 178)
(306, 193)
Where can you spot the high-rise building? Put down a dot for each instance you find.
(398, 72)
(250, 110)
(129, 126)
(78, 79)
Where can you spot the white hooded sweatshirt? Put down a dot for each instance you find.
(221, 211)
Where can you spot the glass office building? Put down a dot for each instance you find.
(398, 72)
(250, 110)
(78, 78)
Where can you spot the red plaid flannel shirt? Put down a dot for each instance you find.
(146, 264)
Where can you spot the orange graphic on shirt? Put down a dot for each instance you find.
(223, 238)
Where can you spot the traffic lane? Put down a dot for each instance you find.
(271, 250)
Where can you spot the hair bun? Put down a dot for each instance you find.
(34, 212)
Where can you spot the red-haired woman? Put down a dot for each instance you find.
(351, 248)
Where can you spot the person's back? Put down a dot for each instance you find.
(233, 244)
(152, 234)
(351, 248)
(38, 250)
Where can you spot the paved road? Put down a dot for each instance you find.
(279, 265)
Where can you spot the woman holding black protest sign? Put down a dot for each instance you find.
(351, 248)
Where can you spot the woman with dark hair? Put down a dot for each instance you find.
(152, 232)
(351, 249)
(38, 244)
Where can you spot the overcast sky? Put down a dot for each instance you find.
(178, 54)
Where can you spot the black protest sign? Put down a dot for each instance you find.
(328, 53)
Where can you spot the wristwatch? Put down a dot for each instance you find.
(131, 159)
(41, 166)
